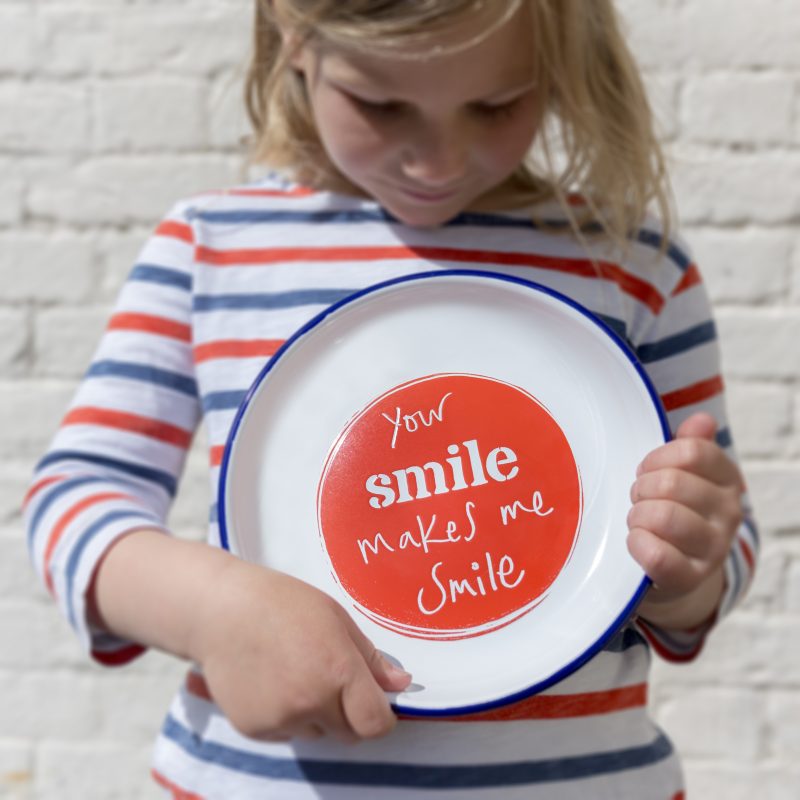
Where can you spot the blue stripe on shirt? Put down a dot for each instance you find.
(616, 325)
(145, 373)
(366, 215)
(53, 493)
(271, 216)
(677, 343)
(150, 273)
(417, 776)
(736, 572)
(276, 300)
(223, 401)
(654, 239)
(724, 438)
(751, 526)
(676, 641)
(624, 640)
(78, 548)
(152, 475)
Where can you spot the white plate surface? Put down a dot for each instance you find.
(311, 408)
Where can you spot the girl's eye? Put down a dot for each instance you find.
(377, 107)
(496, 112)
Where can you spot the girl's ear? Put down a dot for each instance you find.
(290, 41)
(294, 50)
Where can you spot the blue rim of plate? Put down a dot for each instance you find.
(627, 612)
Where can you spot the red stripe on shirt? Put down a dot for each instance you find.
(300, 191)
(197, 686)
(39, 485)
(676, 656)
(749, 557)
(236, 348)
(175, 230)
(132, 423)
(147, 323)
(536, 707)
(544, 706)
(672, 655)
(65, 520)
(177, 792)
(690, 278)
(215, 455)
(117, 658)
(584, 268)
(696, 393)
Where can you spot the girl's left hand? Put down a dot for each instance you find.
(687, 506)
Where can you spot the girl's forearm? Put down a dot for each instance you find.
(251, 630)
(150, 588)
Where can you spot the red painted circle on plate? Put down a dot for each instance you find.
(449, 506)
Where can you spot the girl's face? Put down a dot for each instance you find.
(428, 136)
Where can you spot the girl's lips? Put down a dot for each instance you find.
(428, 197)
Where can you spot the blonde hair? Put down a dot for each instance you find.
(597, 138)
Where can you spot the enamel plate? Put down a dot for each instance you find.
(449, 455)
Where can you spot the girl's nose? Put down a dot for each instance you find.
(437, 155)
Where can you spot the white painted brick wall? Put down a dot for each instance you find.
(151, 115)
(111, 110)
(753, 110)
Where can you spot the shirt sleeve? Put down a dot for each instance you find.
(680, 352)
(115, 461)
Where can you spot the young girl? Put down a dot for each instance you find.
(400, 135)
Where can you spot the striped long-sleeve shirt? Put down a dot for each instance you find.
(225, 279)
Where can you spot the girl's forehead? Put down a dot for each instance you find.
(493, 45)
(462, 31)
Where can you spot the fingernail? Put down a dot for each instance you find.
(397, 672)
(392, 664)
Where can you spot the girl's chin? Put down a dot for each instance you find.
(423, 218)
(423, 213)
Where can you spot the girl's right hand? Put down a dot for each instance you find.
(283, 659)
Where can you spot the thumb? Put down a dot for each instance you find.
(698, 426)
(389, 676)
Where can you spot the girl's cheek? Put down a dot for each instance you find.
(355, 146)
(528, 124)
(522, 137)
(347, 135)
